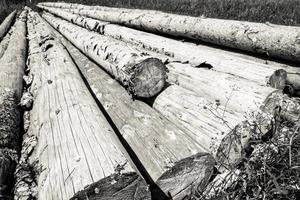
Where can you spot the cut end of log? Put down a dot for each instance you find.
(149, 78)
(127, 186)
(187, 176)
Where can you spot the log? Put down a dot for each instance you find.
(69, 144)
(4, 42)
(288, 82)
(262, 124)
(269, 39)
(12, 66)
(234, 93)
(142, 75)
(196, 55)
(6, 24)
(165, 150)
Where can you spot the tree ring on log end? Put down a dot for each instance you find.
(149, 77)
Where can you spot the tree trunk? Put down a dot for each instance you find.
(69, 144)
(196, 55)
(12, 66)
(150, 135)
(144, 76)
(272, 40)
(6, 24)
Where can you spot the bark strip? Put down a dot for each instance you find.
(12, 66)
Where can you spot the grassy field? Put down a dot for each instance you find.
(285, 12)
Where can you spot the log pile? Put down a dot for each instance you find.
(12, 66)
(110, 112)
(270, 39)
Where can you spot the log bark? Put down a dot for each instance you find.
(6, 24)
(144, 76)
(69, 143)
(272, 40)
(151, 136)
(196, 55)
(12, 66)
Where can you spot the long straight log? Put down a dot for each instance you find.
(143, 75)
(228, 89)
(273, 40)
(162, 147)
(12, 66)
(196, 55)
(6, 24)
(70, 147)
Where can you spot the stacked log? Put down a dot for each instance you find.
(6, 24)
(272, 40)
(12, 66)
(166, 151)
(196, 55)
(5, 41)
(69, 146)
(143, 75)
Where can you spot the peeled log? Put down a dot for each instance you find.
(196, 55)
(69, 143)
(5, 25)
(4, 42)
(165, 150)
(12, 66)
(273, 40)
(143, 75)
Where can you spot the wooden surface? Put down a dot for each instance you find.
(75, 145)
(142, 75)
(12, 66)
(6, 24)
(157, 142)
(273, 40)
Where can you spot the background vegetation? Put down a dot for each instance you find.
(285, 12)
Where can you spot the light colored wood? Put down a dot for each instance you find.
(273, 40)
(12, 66)
(142, 75)
(75, 145)
(156, 141)
(5, 41)
(6, 24)
(196, 55)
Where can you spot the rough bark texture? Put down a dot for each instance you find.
(69, 143)
(273, 40)
(142, 75)
(150, 135)
(12, 66)
(196, 55)
(6, 24)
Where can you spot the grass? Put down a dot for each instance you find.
(11, 6)
(285, 12)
